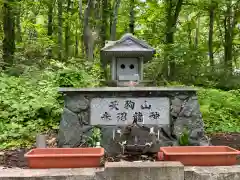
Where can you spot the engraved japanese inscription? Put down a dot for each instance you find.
(122, 111)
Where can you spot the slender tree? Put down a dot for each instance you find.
(67, 36)
(210, 35)
(132, 17)
(50, 24)
(172, 13)
(9, 33)
(60, 29)
(115, 16)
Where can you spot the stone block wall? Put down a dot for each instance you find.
(75, 124)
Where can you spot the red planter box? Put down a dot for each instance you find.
(200, 155)
(42, 158)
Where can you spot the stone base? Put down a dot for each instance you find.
(212, 173)
(75, 126)
(165, 169)
(144, 171)
(117, 84)
(47, 174)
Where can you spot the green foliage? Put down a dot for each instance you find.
(31, 103)
(95, 137)
(184, 138)
(220, 109)
(27, 106)
(84, 76)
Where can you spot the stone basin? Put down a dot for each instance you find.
(200, 155)
(43, 158)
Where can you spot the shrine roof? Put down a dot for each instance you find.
(127, 46)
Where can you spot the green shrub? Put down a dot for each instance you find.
(27, 106)
(31, 103)
(220, 109)
(83, 75)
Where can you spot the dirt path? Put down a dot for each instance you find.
(232, 140)
(15, 158)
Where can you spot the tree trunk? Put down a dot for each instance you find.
(110, 12)
(50, 18)
(60, 46)
(172, 17)
(87, 33)
(189, 30)
(80, 10)
(18, 24)
(132, 18)
(197, 32)
(76, 43)
(114, 22)
(67, 30)
(50, 25)
(103, 34)
(9, 34)
(229, 24)
(33, 34)
(97, 14)
(210, 37)
(81, 26)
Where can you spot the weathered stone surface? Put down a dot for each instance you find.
(84, 117)
(76, 103)
(190, 117)
(48, 174)
(176, 105)
(107, 139)
(70, 129)
(212, 173)
(144, 171)
(128, 89)
(190, 172)
(184, 112)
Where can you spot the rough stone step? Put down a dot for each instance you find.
(190, 173)
(48, 174)
(212, 173)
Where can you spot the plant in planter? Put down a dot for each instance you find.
(198, 155)
(89, 156)
(95, 137)
(94, 141)
(184, 138)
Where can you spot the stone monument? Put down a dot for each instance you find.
(132, 118)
